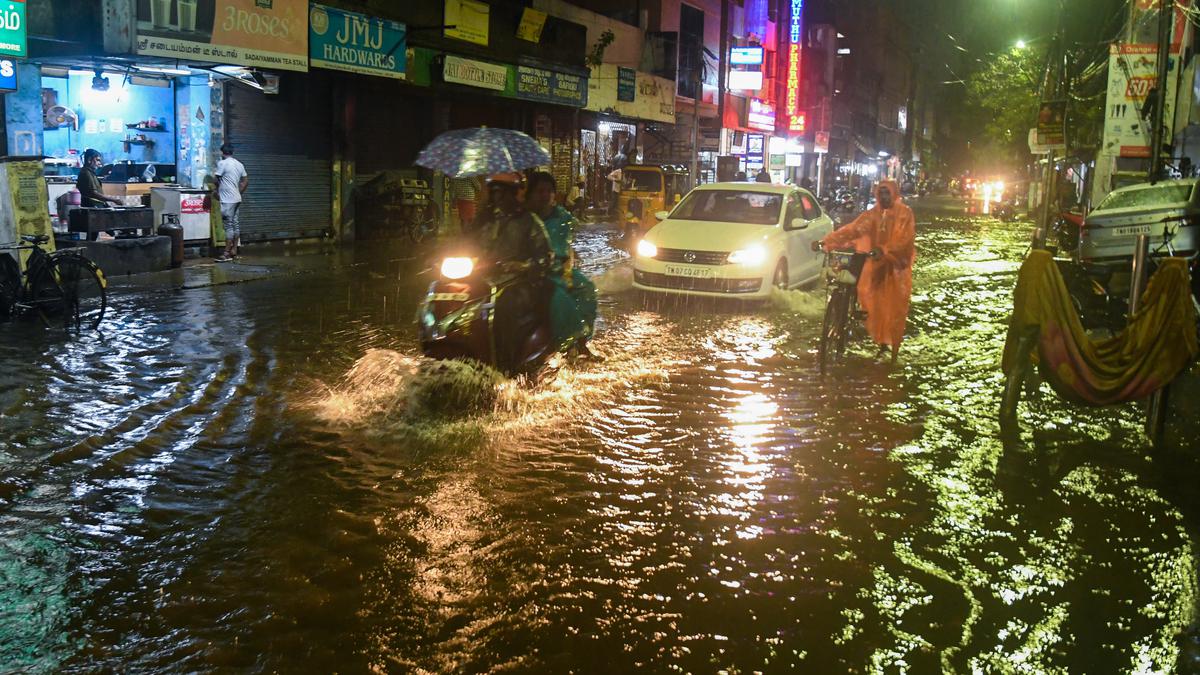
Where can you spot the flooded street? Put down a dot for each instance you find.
(242, 476)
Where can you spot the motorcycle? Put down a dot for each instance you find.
(457, 318)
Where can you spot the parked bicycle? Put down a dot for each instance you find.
(842, 269)
(64, 288)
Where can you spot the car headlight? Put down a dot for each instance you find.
(457, 268)
(646, 250)
(753, 256)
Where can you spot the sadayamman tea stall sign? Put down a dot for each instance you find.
(12, 28)
(550, 86)
(261, 33)
(355, 43)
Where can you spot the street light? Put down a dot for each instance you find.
(1020, 44)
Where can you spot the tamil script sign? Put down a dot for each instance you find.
(1052, 124)
(262, 33)
(356, 43)
(475, 73)
(549, 86)
(12, 28)
(1132, 75)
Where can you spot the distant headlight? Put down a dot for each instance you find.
(646, 250)
(457, 268)
(753, 256)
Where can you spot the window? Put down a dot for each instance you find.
(642, 180)
(731, 206)
(809, 205)
(1157, 195)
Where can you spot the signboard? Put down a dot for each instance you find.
(792, 82)
(1132, 73)
(761, 115)
(532, 23)
(821, 141)
(1052, 124)
(653, 99)
(475, 73)
(356, 43)
(751, 80)
(470, 21)
(549, 86)
(8, 75)
(626, 84)
(746, 56)
(12, 28)
(260, 33)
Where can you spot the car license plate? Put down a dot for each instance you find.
(689, 271)
(1131, 230)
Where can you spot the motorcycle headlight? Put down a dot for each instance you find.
(457, 268)
(646, 250)
(753, 256)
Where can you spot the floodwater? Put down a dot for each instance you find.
(247, 477)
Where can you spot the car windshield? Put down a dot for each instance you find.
(1157, 195)
(734, 206)
(642, 180)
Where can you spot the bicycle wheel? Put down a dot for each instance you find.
(10, 284)
(70, 290)
(832, 326)
(843, 334)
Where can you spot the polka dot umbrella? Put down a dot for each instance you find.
(482, 151)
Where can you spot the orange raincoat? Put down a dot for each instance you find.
(885, 285)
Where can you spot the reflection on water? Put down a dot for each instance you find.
(251, 477)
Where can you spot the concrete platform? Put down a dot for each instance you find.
(122, 257)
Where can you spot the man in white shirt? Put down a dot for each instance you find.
(232, 181)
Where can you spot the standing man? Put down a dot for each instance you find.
(885, 285)
(91, 192)
(232, 181)
(615, 177)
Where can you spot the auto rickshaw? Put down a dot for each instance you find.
(647, 189)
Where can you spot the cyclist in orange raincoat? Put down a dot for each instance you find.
(885, 286)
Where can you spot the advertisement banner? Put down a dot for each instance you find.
(761, 115)
(259, 33)
(356, 43)
(1052, 125)
(532, 23)
(1132, 74)
(549, 86)
(475, 73)
(469, 20)
(12, 28)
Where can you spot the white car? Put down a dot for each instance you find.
(733, 240)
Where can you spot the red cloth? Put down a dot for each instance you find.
(466, 210)
(885, 285)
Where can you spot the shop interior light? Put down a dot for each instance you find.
(162, 70)
(843, 51)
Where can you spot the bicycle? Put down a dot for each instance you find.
(62, 287)
(842, 269)
(421, 221)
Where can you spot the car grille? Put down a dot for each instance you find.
(732, 286)
(680, 255)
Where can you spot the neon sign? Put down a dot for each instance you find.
(792, 100)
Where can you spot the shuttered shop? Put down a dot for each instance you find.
(285, 142)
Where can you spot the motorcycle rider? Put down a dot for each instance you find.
(516, 241)
(572, 295)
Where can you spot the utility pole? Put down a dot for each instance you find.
(1165, 15)
(699, 92)
(722, 65)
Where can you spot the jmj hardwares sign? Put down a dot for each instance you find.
(475, 73)
(262, 33)
(356, 43)
(8, 75)
(548, 86)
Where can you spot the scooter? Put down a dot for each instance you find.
(457, 318)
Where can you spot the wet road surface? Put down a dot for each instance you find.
(242, 476)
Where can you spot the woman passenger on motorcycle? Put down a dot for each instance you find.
(572, 295)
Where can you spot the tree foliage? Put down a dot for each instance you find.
(1003, 99)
